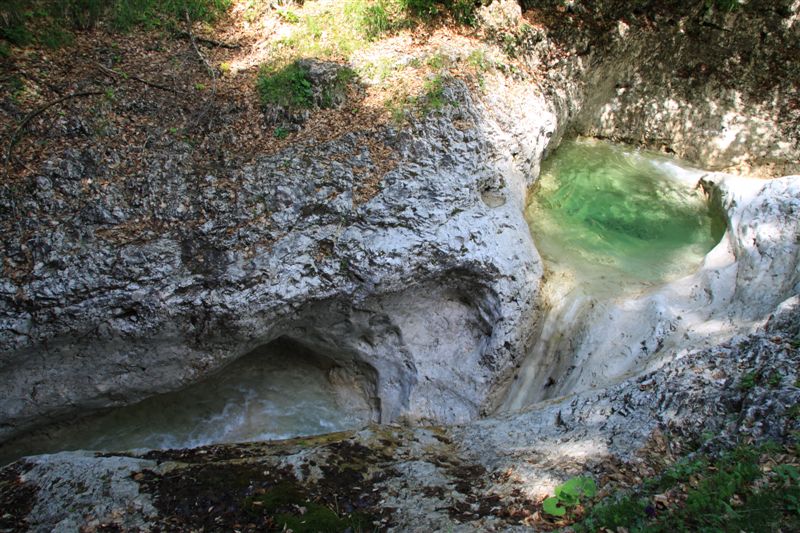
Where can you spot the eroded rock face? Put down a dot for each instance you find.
(428, 284)
(596, 340)
(710, 85)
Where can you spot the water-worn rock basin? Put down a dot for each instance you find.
(401, 254)
(613, 224)
(613, 216)
(278, 391)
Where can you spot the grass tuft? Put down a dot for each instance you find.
(288, 87)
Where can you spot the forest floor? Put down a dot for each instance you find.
(123, 94)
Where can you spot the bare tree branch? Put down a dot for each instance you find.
(137, 78)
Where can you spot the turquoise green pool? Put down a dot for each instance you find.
(611, 212)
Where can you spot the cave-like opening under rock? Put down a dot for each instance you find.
(279, 390)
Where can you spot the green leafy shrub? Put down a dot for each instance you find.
(421, 7)
(14, 15)
(569, 495)
(287, 15)
(748, 381)
(463, 11)
(433, 96)
(478, 60)
(775, 380)
(625, 512)
(288, 87)
(375, 20)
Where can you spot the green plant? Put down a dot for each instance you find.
(335, 92)
(375, 20)
(513, 42)
(14, 16)
(730, 492)
(379, 69)
(433, 96)
(463, 11)
(712, 494)
(723, 5)
(627, 511)
(569, 495)
(478, 60)
(397, 107)
(55, 37)
(438, 61)
(287, 15)
(280, 132)
(419, 8)
(15, 87)
(289, 86)
(293, 510)
(748, 381)
(679, 472)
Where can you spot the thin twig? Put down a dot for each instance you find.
(15, 138)
(116, 74)
(193, 40)
(208, 42)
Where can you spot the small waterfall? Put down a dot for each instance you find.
(611, 223)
